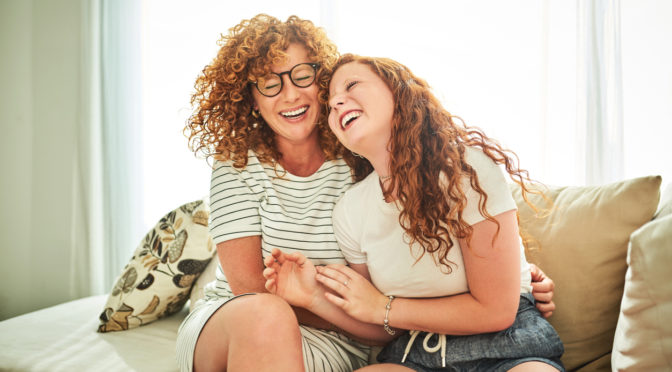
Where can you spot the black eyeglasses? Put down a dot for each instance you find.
(301, 75)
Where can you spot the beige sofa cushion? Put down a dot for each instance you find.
(582, 245)
(643, 338)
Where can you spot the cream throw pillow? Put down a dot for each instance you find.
(643, 339)
(582, 245)
(158, 279)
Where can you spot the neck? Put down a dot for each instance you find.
(301, 159)
(381, 164)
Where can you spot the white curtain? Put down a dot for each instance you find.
(108, 208)
(86, 276)
(600, 95)
(70, 148)
(122, 145)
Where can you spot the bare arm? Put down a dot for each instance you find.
(493, 274)
(242, 263)
(293, 277)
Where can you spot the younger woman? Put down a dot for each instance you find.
(433, 227)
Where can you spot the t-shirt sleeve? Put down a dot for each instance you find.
(234, 207)
(492, 180)
(345, 234)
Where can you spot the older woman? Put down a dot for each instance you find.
(260, 112)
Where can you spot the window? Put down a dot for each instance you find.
(510, 68)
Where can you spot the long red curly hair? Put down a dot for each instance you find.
(427, 163)
(221, 124)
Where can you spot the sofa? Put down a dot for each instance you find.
(608, 249)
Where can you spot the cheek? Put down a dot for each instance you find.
(333, 122)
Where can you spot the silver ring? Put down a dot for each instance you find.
(345, 283)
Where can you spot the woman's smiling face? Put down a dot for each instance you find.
(292, 114)
(361, 109)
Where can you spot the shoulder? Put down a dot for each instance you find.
(228, 164)
(356, 197)
(360, 191)
(475, 157)
(224, 172)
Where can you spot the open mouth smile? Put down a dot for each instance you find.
(295, 113)
(349, 117)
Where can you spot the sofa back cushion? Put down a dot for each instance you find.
(643, 339)
(581, 243)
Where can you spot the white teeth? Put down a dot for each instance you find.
(296, 112)
(350, 116)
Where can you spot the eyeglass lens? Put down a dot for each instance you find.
(301, 75)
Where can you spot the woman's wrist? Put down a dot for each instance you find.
(319, 303)
(380, 312)
(386, 321)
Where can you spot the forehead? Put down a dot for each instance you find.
(296, 53)
(351, 71)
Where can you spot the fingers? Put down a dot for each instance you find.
(338, 301)
(333, 277)
(278, 255)
(546, 308)
(270, 285)
(269, 261)
(270, 275)
(546, 285)
(542, 296)
(297, 257)
(342, 269)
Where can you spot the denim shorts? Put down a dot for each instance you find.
(530, 338)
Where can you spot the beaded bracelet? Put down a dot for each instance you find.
(386, 321)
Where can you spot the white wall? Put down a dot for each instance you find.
(40, 44)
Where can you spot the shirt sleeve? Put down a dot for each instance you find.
(492, 180)
(345, 235)
(234, 207)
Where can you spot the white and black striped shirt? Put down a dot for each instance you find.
(289, 212)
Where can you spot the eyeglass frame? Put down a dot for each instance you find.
(314, 65)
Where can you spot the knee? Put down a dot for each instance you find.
(263, 313)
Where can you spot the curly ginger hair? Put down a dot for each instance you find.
(222, 125)
(427, 163)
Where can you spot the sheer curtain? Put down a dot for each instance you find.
(600, 97)
(122, 143)
(108, 180)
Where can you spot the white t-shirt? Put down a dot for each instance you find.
(368, 231)
(291, 213)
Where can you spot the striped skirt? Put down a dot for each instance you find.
(323, 351)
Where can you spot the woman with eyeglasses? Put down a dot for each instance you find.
(260, 114)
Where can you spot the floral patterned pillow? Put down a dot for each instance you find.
(158, 279)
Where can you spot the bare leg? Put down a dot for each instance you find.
(383, 367)
(251, 333)
(533, 367)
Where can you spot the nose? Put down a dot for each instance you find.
(336, 100)
(289, 90)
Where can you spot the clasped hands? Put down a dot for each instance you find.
(294, 278)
